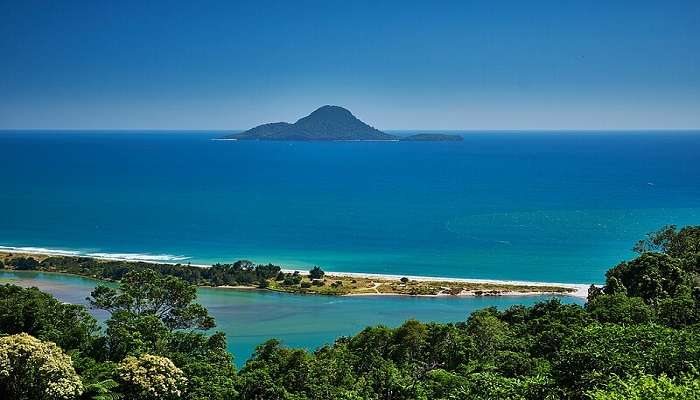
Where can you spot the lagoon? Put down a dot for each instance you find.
(249, 317)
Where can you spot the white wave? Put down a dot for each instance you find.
(39, 250)
(138, 257)
(103, 255)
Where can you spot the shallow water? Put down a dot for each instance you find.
(560, 207)
(249, 316)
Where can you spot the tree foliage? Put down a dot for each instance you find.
(651, 276)
(148, 377)
(147, 293)
(316, 273)
(31, 369)
(621, 309)
(649, 387)
(41, 315)
(638, 337)
(683, 243)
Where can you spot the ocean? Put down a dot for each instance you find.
(538, 206)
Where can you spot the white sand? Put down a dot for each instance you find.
(579, 289)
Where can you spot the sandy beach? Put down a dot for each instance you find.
(575, 289)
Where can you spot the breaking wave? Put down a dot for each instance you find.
(104, 255)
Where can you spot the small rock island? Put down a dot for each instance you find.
(330, 123)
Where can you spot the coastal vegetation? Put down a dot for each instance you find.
(637, 337)
(246, 274)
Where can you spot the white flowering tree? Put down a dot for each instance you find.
(32, 369)
(148, 376)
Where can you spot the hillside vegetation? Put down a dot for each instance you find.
(638, 337)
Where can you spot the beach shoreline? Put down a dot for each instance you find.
(580, 290)
(562, 289)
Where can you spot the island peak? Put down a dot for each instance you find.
(327, 123)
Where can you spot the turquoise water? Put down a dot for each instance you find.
(527, 206)
(542, 206)
(250, 317)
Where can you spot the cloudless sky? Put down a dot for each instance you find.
(395, 64)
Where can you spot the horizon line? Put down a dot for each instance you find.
(468, 130)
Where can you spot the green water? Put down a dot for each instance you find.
(248, 317)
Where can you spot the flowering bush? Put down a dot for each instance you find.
(32, 369)
(149, 376)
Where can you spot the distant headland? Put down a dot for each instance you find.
(330, 123)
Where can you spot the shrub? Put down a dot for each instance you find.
(32, 369)
(290, 280)
(148, 376)
(649, 387)
(618, 308)
(24, 263)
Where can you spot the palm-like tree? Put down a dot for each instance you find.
(102, 390)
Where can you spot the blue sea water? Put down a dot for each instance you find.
(542, 206)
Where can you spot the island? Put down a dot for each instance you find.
(330, 123)
(245, 274)
(432, 137)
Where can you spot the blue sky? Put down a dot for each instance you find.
(397, 65)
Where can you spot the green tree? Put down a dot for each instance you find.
(678, 312)
(258, 384)
(387, 381)
(133, 334)
(651, 276)
(487, 386)
(618, 308)
(593, 356)
(657, 241)
(446, 346)
(147, 292)
(41, 315)
(286, 370)
(31, 369)
(649, 387)
(488, 332)
(408, 342)
(205, 362)
(543, 327)
(316, 273)
(24, 263)
(669, 240)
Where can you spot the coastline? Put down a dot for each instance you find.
(579, 289)
(440, 286)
